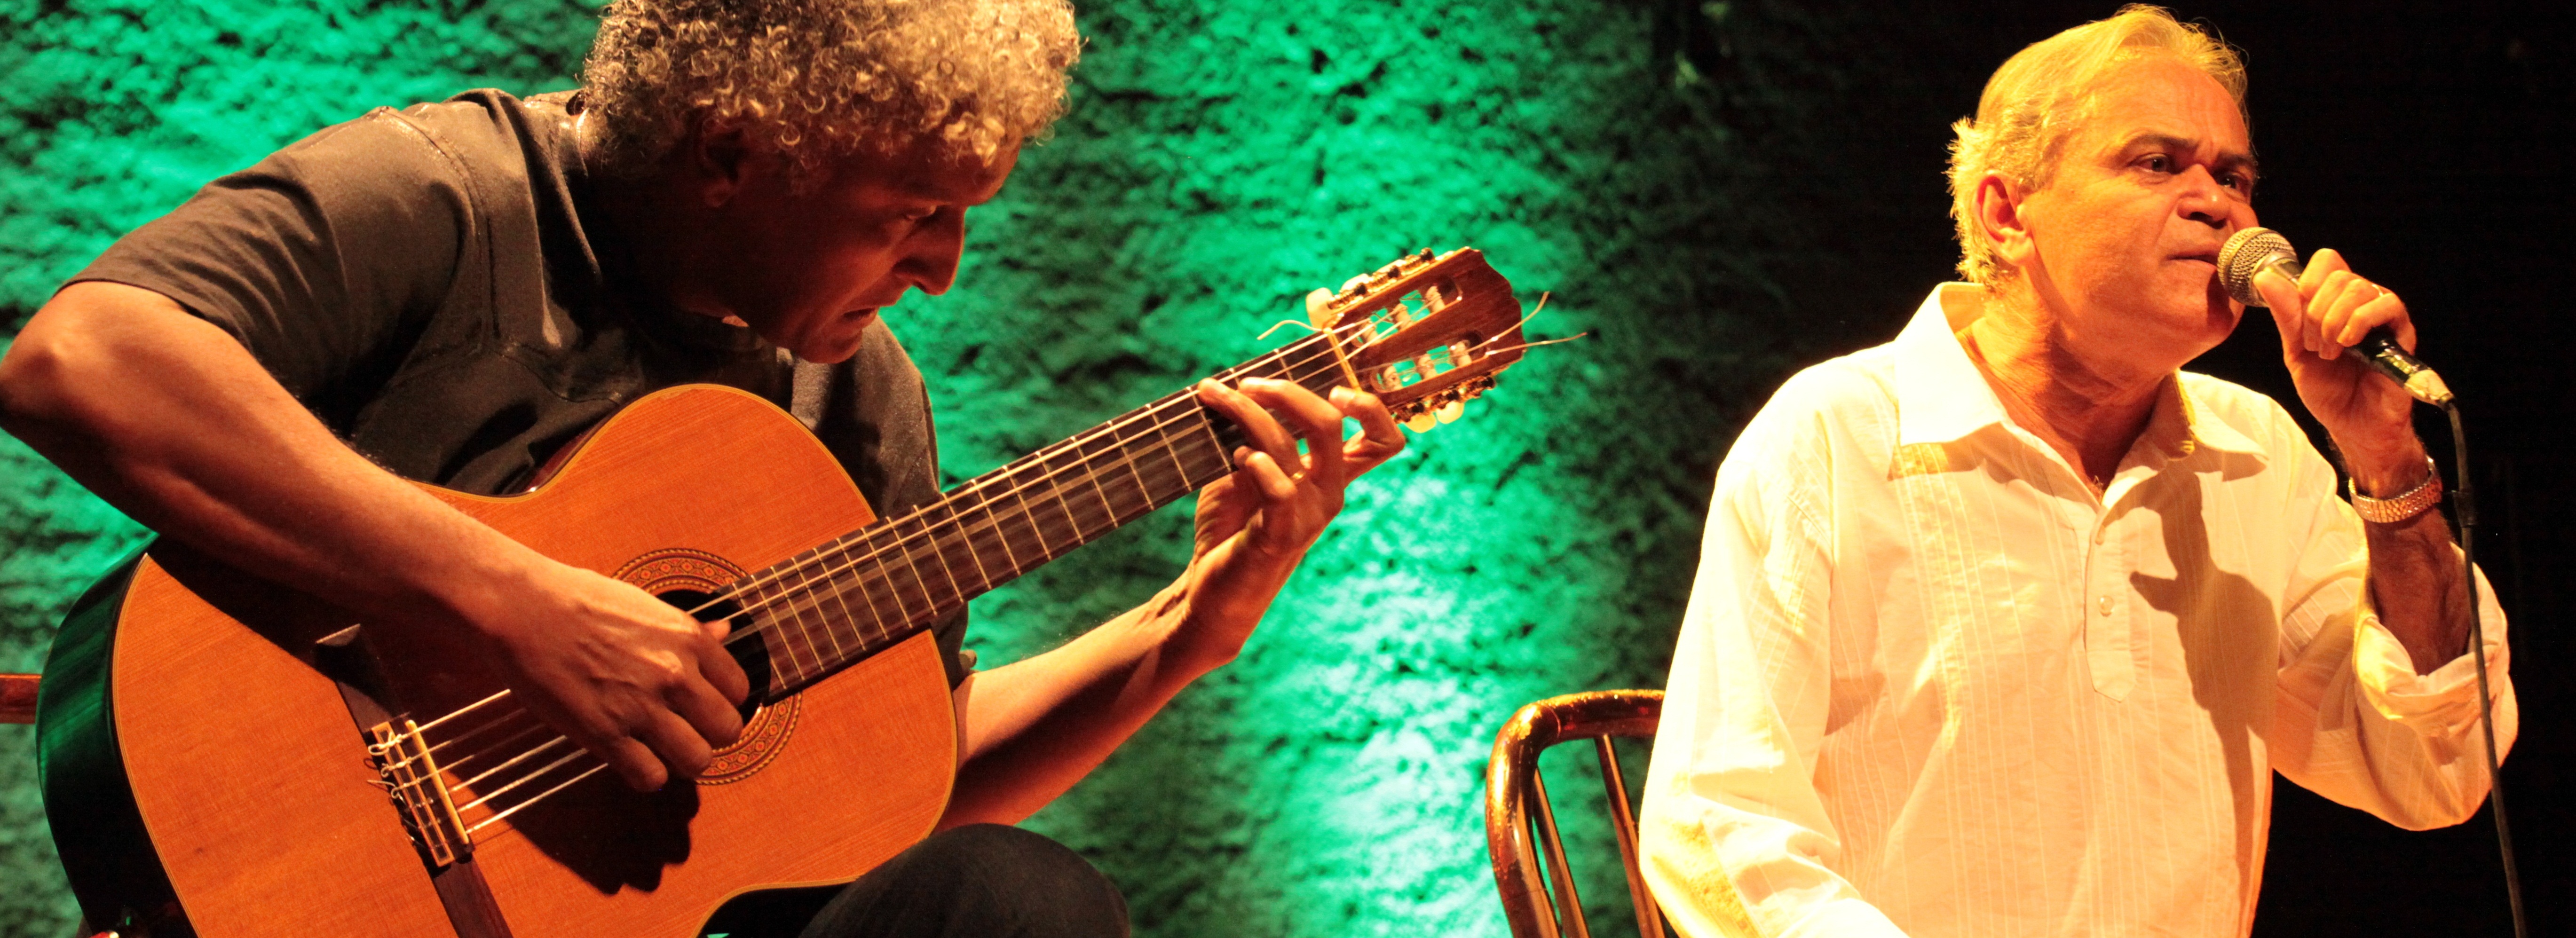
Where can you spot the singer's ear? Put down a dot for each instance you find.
(1999, 203)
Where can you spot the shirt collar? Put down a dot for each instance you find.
(1940, 394)
(2202, 429)
(1941, 397)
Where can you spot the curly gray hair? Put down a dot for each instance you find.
(814, 80)
(2042, 93)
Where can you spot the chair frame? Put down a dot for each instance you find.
(1520, 827)
(17, 698)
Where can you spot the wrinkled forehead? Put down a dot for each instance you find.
(2155, 97)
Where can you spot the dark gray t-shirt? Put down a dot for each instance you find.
(423, 280)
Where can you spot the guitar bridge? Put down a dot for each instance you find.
(410, 774)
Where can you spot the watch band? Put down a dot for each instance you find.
(2398, 508)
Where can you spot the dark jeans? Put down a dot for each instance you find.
(983, 880)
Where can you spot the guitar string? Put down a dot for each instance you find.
(929, 535)
(907, 541)
(993, 478)
(499, 816)
(458, 763)
(966, 531)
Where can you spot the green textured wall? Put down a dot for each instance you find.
(1641, 161)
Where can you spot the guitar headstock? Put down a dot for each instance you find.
(1439, 329)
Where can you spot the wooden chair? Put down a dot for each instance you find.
(17, 698)
(1520, 826)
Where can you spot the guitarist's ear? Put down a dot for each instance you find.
(719, 161)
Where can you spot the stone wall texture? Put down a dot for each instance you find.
(1715, 193)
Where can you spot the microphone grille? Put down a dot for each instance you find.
(2244, 256)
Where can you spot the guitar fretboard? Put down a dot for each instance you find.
(859, 593)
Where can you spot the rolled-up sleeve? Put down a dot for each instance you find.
(2353, 721)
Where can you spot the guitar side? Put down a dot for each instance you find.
(252, 784)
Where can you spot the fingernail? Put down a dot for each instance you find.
(1343, 395)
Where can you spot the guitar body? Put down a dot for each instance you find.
(197, 753)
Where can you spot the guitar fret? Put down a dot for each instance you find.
(888, 580)
(814, 597)
(994, 520)
(1099, 457)
(1215, 446)
(906, 547)
(877, 598)
(1138, 462)
(1019, 493)
(780, 618)
(882, 542)
(966, 534)
(938, 521)
(1166, 432)
(1053, 477)
(828, 562)
(925, 539)
(1163, 434)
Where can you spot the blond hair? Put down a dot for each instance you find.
(2041, 94)
(815, 80)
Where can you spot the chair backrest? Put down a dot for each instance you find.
(1539, 897)
(17, 698)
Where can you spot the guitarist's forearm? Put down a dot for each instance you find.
(1033, 728)
(169, 419)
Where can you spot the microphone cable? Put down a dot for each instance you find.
(2464, 506)
(2251, 251)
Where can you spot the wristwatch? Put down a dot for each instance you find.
(2398, 508)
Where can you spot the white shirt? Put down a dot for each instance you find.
(1929, 683)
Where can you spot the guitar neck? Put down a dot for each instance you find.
(856, 594)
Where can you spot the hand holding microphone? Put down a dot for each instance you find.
(2255, 250)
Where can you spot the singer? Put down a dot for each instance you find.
(2002, 628)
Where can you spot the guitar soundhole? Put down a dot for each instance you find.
(751, 650)
(688, 579)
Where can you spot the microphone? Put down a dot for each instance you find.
(2255, 250)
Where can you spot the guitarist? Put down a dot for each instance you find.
(452, 292)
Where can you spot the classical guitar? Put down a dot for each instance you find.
(226, 757)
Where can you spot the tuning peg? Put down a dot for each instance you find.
(1448, 413)
(1438, 296)
(1423, 422)
(1319, 309)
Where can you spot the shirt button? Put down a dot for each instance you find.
(2103, 603)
